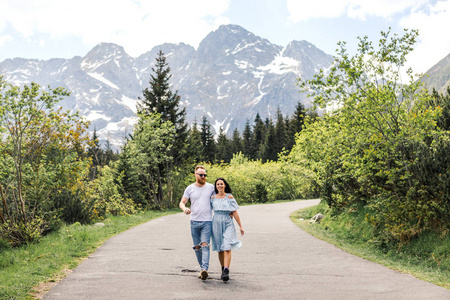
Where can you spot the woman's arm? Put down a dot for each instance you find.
(238, 220)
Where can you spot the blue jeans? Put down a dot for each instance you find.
(201, 233)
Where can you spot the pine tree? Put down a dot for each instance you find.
(295, 124)
(298, 119)
(236, 142)
(223, 147)
(208, 142)
(109, 153)
(258, 136)
(129, 178)
(443, 101)
(247, 140)
(95, 153)
(268, 151)
(161, 99)
(195, 149)
(280, 133)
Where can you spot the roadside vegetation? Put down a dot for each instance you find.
(426, 257)
(24, 268)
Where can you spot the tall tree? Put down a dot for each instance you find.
(195, 149)
(95, 153)
(38, 159)
(236, 142)
(444, 102)
(209, 145)
(129, 175)
(150, 149)
(268, 151)
(280, 133)
(258, 136)
(159, 98)
(224, 152)
(383, 147)
(247, 140)
(109, 153)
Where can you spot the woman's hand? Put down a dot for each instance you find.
(242, 231)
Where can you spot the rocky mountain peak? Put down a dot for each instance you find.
(232, 76)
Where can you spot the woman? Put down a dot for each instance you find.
(223, 232)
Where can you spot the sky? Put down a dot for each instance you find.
(44, 29)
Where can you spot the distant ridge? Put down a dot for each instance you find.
(233, 75)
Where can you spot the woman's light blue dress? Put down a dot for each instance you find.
(223, 231)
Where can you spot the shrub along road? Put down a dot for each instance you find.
(278, 260)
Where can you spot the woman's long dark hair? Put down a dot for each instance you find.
(227, 186)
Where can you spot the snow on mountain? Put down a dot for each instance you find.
(232, 76)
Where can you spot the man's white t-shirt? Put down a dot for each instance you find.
(200, 201)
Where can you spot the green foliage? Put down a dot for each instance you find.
(426, 256)
(258, 141)
(257, 182)
(381, 145)
(195, 149)
(159, 98)
(159, 156)
(19, 233)
(444, 102)
(208, 142)
(143, 171)
(107, 192)
(39, 158)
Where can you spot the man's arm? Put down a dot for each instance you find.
(183, 207)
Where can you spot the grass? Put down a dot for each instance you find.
(426, 257)
(23, 269)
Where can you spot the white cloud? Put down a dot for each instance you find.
(302, 10)
(138, 25)
(4, 39)
(433, 44)
(430, 17)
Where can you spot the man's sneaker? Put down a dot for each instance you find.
(203, 274)
(199, 275)
(225, 275)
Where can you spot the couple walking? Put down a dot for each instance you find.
(206, 198)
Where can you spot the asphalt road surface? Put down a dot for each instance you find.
(278, 260)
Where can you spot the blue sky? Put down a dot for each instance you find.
(46, 29)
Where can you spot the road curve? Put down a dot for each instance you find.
(278, 260)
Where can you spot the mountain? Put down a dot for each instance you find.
(232, 76)
(438, 77)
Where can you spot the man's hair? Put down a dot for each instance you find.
(199, 167)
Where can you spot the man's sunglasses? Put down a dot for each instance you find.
(201, 175)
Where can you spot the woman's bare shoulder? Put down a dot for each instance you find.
(230, 196)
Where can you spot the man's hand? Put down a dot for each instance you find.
(187, 211)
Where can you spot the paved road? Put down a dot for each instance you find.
(278, 260)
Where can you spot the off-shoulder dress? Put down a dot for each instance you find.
(223, 230)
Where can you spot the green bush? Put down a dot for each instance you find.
(106, 193)
(20, 233)
(383, 145)
(257, 182)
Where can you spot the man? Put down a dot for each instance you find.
(199, 193)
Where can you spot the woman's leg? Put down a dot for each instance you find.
(227, 258)
(221, 259)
